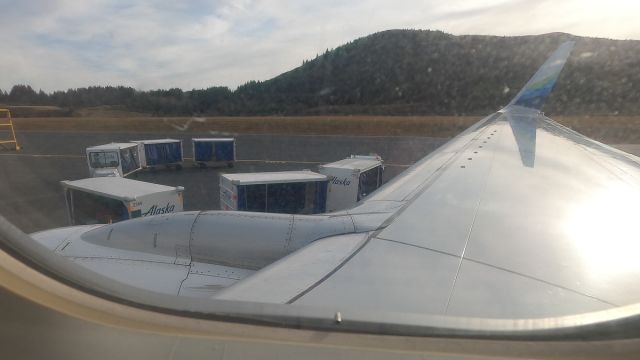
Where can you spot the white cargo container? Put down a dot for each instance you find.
(115, 159)
(160, 152)
(288, 192)
(351, 180)
(106, 200)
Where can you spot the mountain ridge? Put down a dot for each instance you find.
(431, 72)
(405, 72)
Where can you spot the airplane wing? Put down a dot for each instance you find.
(517, 217)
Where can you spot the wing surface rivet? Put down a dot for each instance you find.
(338, 317)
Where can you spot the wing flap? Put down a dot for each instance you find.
(288, 278)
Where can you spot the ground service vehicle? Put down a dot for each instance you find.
(106, 200)
(214, 151)
(351, 180)
(115, 159)
(160, 152)
(289, 192)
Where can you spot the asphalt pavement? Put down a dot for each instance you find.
(31, 195)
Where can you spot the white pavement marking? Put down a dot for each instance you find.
(229, 134)
(306, 162)
(63, 156)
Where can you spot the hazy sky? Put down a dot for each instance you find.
(57, 44)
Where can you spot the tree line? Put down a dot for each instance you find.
(214, 100)
(401, 72)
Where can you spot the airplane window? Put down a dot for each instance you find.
(219, 161)
(103, 159)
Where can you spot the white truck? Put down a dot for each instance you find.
(115, 159)
(288, 192)
(105, 200)
(351, 180)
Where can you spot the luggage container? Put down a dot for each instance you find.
(214, 151)
(115, 159)
(106, 200)
(288, 192)
(351, 180)
(161, 152)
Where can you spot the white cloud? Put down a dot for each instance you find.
(193, 44)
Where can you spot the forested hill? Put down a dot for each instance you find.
(402, 72)
(409, 71)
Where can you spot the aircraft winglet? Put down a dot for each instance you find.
(535, 92)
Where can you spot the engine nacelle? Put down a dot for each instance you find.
(239, 239)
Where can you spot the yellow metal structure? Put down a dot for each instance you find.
(13, 139)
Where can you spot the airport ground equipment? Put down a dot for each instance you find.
(160, 152)
(288, 192)
(9, 124)
(105, 200)
(115, 159)
(351, 180)
(214, 151)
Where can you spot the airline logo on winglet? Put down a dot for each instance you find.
(535, 92)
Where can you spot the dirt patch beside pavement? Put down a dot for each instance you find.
(435, 126)
(608, 129)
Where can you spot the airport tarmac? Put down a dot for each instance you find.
(31, 195)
